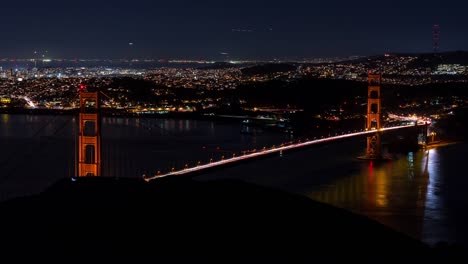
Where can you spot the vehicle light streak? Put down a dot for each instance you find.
(272, 150)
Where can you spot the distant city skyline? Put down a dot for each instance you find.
(210, 30)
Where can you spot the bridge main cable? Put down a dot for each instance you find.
(270, 151)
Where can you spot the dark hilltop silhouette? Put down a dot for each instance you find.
(180, 218)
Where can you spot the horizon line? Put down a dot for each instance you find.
(284, 58)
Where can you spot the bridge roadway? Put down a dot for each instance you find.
(273, 150)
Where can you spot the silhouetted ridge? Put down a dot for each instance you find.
(268, 68)
(186, 217)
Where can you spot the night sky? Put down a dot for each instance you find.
(239, 29)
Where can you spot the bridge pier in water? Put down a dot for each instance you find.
(417, 138)
(422, 135)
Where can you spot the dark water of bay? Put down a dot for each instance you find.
(421, 194)
(37, 150)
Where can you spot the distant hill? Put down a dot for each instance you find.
(268, 68)
(308, 93)
(430, 60)
(424, 60)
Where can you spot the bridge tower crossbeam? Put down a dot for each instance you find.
(374, 117)
(89, 137)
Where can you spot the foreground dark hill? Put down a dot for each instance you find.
(183, 217)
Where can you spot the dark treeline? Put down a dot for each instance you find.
(306, 93)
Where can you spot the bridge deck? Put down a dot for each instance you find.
(264, 152)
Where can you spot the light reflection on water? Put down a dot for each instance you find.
(435, 214)
(403, 193)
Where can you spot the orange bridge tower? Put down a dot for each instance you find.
(89, 137)
(374, 120)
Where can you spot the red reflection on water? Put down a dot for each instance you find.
(370, 175)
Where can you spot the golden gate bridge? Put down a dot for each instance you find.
(89, 137)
